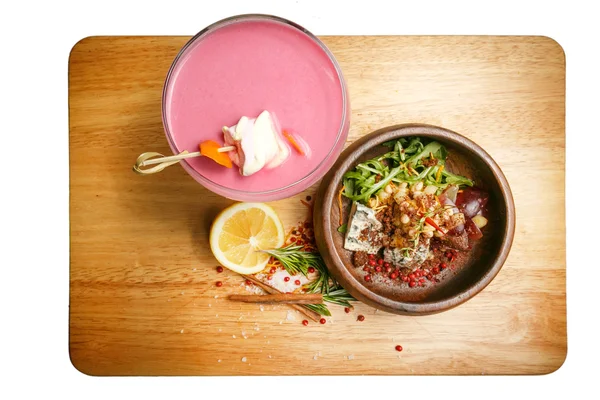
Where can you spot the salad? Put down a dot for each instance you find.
(410, 215)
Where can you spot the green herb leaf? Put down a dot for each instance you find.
(404, 163)
(434, 148)
(295, 260)
(343, 228)
(320, 309)
(453, 179)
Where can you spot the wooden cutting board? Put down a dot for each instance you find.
(143, 299)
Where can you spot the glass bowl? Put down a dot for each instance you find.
(239, 66)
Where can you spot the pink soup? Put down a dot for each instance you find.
(242, 66)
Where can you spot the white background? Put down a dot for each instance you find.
(36, 38)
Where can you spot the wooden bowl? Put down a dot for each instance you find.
(457, 284)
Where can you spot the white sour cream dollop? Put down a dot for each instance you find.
(259, 143)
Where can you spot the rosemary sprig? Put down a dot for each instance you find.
(295, 260)
(320, 309)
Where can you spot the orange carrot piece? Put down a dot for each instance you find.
(293, 142)
(210, 149)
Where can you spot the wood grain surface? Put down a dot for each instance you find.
(143, 299)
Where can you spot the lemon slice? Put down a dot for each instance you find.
(240, 231)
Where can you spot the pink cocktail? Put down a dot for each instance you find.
(241, 66)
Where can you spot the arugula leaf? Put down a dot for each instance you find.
(435, 148)
(453, 179)
(414, 146)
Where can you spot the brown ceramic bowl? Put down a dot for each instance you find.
(457, 284)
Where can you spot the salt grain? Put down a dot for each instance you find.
(252, 288)
(270, 356)
(216, 296)
(314, 357)
(219, 329)
(181, 331)
(233, 336)
(182, 293)
(244, 359)
(290, 316)
(218, 360)
(193, 269)
(210, 305)
(262, 308)
(244, 335)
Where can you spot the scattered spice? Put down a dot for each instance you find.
(398, 348)
(322, 320)
(219, 283)
(305, 322)
(360, 318)
(219, 269)
(306, 204)
(347, 310)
